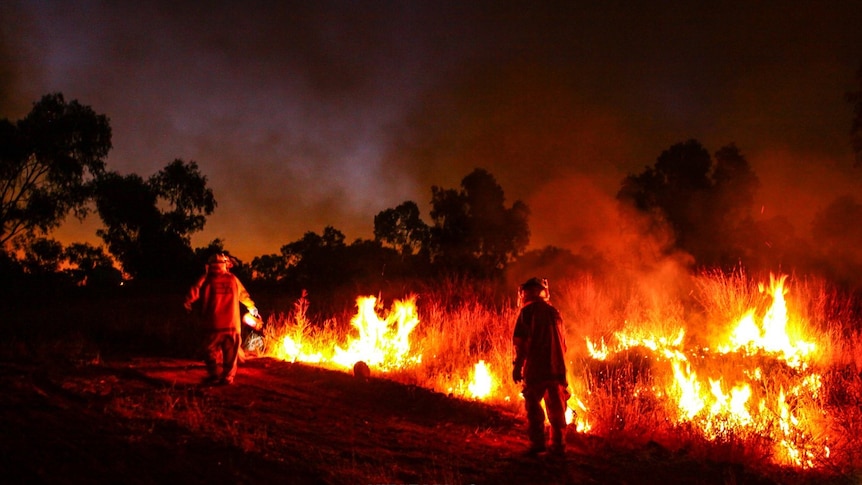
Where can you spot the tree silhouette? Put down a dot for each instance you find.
(268, 268)
(402, 228)
(315, 259)
(48, 162)
(90, 266)
(185, 190)
(707, 206)
(43, 257)
(149, 242)
(473, 231)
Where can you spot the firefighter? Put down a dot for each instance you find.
(539, 343)
(220, 293)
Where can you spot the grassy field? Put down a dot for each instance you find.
(655, 363)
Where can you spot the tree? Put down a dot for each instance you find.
(90, 266)
(473, 230)
(268, 268)
(316, 259)
(402, 228)
(706, 205)
(151, 242)
(43, 257)
(729, 223)
(184, 189)
(672, 190)
(48, 163)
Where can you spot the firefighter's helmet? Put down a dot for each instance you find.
(220, 258)
(534, 286)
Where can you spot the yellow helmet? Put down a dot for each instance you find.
(537, 285)
(220, 258)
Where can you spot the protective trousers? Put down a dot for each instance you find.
(222, 346)
(555, 396)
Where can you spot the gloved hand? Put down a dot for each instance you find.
(517, 375)
(254, 312)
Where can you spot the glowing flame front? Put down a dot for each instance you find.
(382, 343)
(728, 389)
(482, 383)
(756, 379)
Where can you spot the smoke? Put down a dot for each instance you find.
(308, 114)
(16, 62)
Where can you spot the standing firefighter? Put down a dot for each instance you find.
(220, 293)
(540, 349)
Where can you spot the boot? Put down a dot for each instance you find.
(537, 439)
(558, 444)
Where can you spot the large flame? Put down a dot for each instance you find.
(382, 343)
(755, 380)
(482, 382)
(729, 390)
(771, 335)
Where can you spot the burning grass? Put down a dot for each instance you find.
(759, 371)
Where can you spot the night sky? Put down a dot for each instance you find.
(304, 114)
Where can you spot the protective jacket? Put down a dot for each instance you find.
(220, 294)
(540, 343)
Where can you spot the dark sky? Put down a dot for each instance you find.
(313, 113)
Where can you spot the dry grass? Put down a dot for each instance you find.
(629, 399)
(626, 399)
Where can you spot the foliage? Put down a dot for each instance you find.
(90, 265)
(706, 203)
(402, 228)
(473, 231)
(48, 163)
(151, 242)
(325, 261)
(46, 264)
(268, 268)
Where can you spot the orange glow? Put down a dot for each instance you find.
(482, 383)
(755, 378)
(771, 336)
(382, 343)
(727, 390)
(250, 320)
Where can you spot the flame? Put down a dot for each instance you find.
(383, 342)
(482, 382)
(582, 425)
(771, 336)
(723, 391)
(756, 379)
(295, 352)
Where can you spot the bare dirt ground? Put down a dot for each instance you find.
(147, 420)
